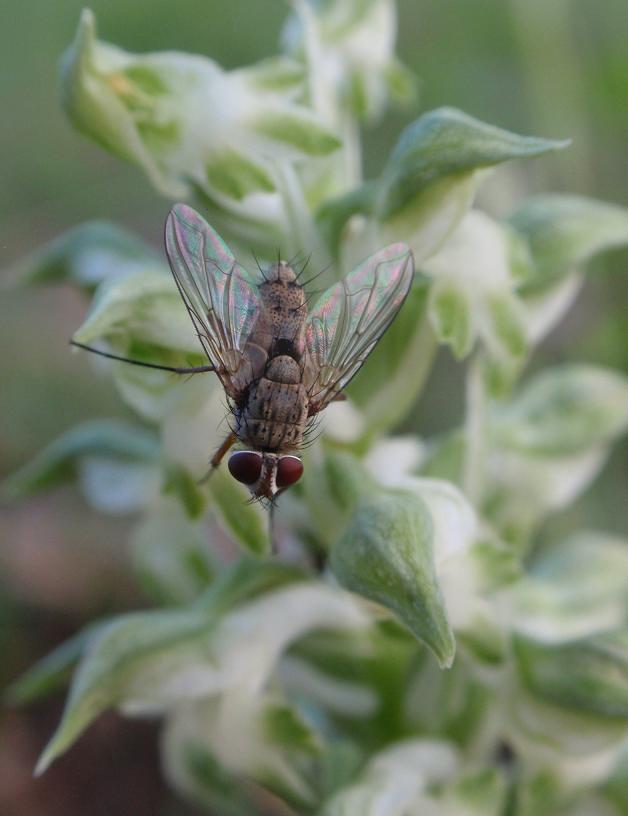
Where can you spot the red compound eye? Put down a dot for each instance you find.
(245, 466)
(289, 471)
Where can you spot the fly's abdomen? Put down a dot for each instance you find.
(275, 413)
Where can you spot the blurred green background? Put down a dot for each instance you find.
(556, 68)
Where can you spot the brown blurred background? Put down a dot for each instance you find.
(556, 69)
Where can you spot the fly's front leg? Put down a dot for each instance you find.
(217, 458)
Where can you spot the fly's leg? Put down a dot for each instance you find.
(173, 369)
(217, 458)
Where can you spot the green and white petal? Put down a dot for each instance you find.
(349, 51)
(396, 780)
(564, 232)
(473, 294)
(576, 589)
(564, 411)
(580, 749)
(196, 130)
(87, 255)
(145, 662)
(257, 737)
(145, 308)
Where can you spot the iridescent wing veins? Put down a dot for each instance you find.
(349, 319)
(220, 296)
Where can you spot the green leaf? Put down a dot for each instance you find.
(452, 317)
(276, 74)
(247, 522)
(538, 796)
(445, 144)
(299, 130)
(180, 483)
(237, 176)
(590, 675)
(507, 325)
(285, 727)
(213, 786)
(386, 555)
(479, 793)
(565, 410)
(58, 462)
(85, 256)
(403, 84)
(143, 307)
(432, 175)
(564, 232)
(50, 673)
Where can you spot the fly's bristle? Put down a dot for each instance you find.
(318, 274)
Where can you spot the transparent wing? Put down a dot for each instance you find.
(220, 296)
(350, 318)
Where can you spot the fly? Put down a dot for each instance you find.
(279, 364)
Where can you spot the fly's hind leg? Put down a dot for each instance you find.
(217, 458)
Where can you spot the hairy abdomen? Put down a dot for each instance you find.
(275, 413)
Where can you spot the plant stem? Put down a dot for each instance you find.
(302, 234)
(352, 150)
(475, 431)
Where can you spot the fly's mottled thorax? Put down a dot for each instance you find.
(282, 291)
(284, 309)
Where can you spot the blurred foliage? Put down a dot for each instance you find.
(556, 68)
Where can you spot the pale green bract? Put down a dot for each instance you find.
(419, 644)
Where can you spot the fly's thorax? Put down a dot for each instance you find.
(284, 369)
(284, 309)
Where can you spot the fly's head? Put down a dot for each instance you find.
(265, 474)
